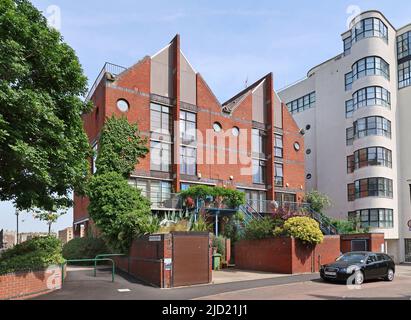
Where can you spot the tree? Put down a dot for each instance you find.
(43, 148)
(121, 147)
(48, 217)
(318, 201)
(118, 209)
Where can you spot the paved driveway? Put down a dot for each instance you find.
(318, 290)
(81, 285)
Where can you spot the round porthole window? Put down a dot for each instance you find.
(217, 127)
(236, 132)
(122, 105)
(297, 146)
(308, 127)
(308, 151)
(309, 176)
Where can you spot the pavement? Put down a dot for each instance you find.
(229, 285)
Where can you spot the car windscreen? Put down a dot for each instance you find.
(353, 258)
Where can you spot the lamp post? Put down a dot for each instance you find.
(17, 232)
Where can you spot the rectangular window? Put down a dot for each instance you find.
(188, 126)
(351, 192)
(404, 74)
(279, 175)
(94, 160)
(160, 119)
(350, 136)
(350, 164)
(403, 45)
(259, 172)
(259, 143)
(348, 81)
(347, 45)
(160, 192)
(188, 161)
(302, 104)
(279, 146)
(160, 156)
(349, 108)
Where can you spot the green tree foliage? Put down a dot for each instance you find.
(232, 198)
(43, 148)
(350, 226)
(121, 147)
(304, 229)
(117, 209)
(318, 201)
(49, 217)
(35, 254)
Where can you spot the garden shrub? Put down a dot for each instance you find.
(35, 254)
(259, 229)
(219, 243)
(84, 248)
(304, 229)
(232, 227)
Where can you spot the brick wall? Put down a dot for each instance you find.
(146, 260)
(285, 255)
(23, 285)
(374, 241)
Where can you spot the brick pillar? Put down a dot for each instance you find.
(270, 137)
(176, 115)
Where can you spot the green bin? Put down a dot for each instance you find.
(217, 261)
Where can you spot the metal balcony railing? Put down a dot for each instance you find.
(110, 68)
(269, 206)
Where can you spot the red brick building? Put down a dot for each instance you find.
(251, 142)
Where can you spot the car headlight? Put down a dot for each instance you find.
(351, 269)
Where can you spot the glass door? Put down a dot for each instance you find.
(407, 250)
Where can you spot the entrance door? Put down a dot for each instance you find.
(407, 250)
(359, 245)
(191, 259)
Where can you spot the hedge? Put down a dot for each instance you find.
(35, 254)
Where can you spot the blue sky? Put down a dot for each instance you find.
(226, 41)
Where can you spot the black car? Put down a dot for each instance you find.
(356, 267)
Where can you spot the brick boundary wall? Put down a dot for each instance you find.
(285, 255)
(25, 285)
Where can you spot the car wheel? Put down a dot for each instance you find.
(359, 278)
(390, 275)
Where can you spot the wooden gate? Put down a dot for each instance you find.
(191, 259)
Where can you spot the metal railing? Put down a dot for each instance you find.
(106, 255)
(270, 206)
(113, 269)
(108, 67)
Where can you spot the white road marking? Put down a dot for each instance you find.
(123, 290)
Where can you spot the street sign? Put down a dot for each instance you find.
(154, 239)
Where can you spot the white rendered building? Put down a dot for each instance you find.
(356, 111)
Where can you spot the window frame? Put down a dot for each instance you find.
(370, 66)
(385, 218)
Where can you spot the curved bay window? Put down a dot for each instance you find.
(370, 66)
(367, 28)
(373, 218)
(370, 187)
(372, 126)
(372, 96)
(374, 156)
